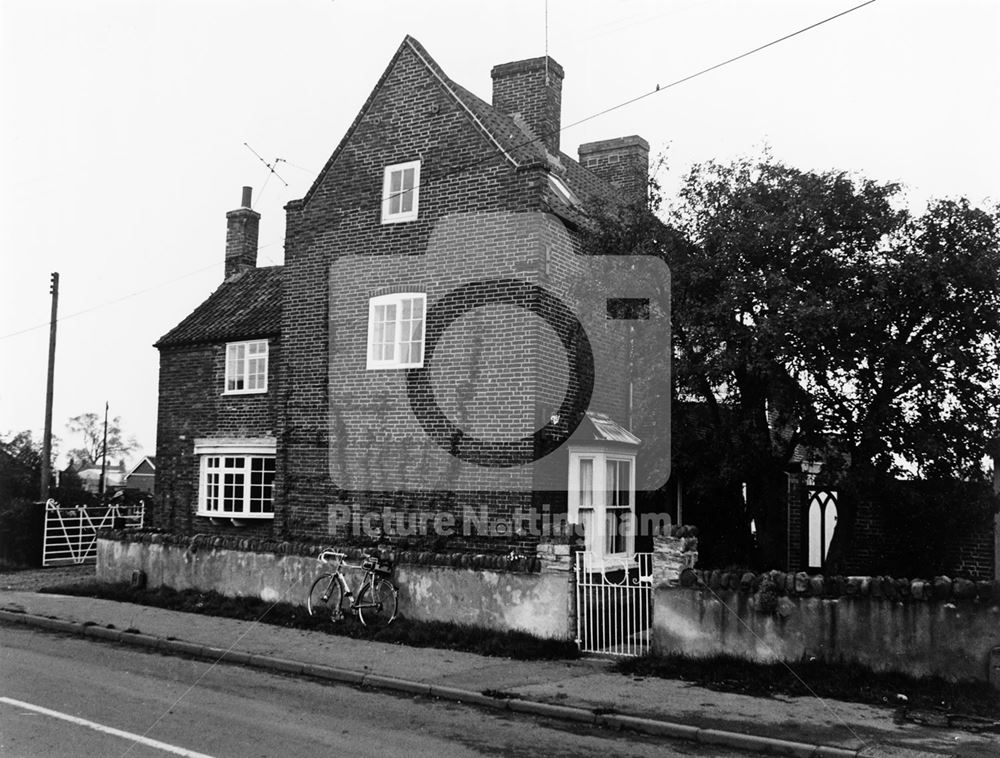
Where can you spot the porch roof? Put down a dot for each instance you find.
(599, 427)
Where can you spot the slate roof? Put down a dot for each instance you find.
(244, 306)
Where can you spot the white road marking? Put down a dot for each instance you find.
(106, 729)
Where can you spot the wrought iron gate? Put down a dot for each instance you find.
(614, 604)
(71, 532)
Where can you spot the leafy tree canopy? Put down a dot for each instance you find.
(88, 431)
(813, 309)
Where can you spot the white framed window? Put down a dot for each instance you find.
(236, 478)
(396, 330)
(400, 192)
(246, 367)
(821, 521)
(601, 494)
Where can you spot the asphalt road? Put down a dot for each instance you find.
(66, 696)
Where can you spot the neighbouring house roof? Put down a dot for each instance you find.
(114, 475)
(146, 460)
(599, 427)
(244, 306)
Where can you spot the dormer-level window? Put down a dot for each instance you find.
(246, 367)
(563, 192)
(396, 331)
(400, 192)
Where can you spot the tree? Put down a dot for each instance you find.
(20, 466)
(23, 448)
(89, 431)
(811, 309)
(906, 368)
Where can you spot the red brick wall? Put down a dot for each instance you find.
(876, 547)
(191, 405)
(341, 429)
(356, 424)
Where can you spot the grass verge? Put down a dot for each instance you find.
(837, 681)
(402, 631)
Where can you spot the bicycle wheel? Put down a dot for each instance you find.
(326, 597)
(377, 603)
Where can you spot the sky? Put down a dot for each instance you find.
(124, 129)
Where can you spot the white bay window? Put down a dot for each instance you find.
(602, 498)
(236, 478)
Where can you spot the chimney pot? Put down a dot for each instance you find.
(242, 227)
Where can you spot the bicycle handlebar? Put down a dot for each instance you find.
(328, 554)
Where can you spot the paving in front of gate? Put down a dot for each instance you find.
(588, 683)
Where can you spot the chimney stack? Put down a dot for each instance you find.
(241, 236)
(534, 90)
(623, 162)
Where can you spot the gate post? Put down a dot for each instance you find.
(675, 548)
(557, 555)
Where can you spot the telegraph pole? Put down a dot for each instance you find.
(104, 452)
(47, 434)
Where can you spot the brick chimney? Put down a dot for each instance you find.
(623, 162)
(533, 90)
(241, 237)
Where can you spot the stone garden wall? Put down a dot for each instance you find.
(934, 626)
(524, 593)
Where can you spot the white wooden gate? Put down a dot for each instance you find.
(71, 532)
(614, 604)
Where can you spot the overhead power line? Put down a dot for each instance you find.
(125, 297)
(658, 88)
(726, 62)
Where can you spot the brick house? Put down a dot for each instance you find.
(395, 368)
(142, 477)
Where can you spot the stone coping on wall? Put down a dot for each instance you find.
(456, 559)
(685, 531)
(779, 583)
(192, 543)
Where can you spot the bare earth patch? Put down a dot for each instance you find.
(32, 580)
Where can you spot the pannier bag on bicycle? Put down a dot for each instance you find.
(378, 565)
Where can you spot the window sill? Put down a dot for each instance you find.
(242, 519)
(392, 366)
(245, 392)
(398, 219)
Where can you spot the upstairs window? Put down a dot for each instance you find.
(246, 367)
(396, 331)
(400, 192)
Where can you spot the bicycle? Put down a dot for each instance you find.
(375, 602)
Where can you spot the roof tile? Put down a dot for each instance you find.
(244, 306)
